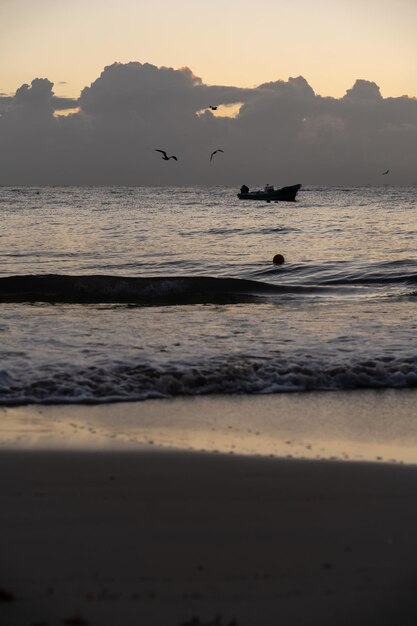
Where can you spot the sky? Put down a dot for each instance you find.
(239, 42)
(322, 89)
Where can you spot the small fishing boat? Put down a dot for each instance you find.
(269, 194)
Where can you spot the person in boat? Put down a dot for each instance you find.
(244, 189)
(269, 188)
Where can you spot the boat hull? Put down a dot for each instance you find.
(285, 194)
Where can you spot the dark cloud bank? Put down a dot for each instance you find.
(284, 133)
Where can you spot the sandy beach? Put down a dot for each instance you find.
(103, 530)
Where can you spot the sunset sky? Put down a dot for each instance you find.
(323, 91)
(239, 42)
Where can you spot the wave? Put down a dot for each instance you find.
(375, 280)
(296, 279)
(346, 274)
(228, 375)
(182, 290)
(145, 291)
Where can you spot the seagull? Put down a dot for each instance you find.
(383, 173)
(213, 153)
(212, 107)
(165, 157)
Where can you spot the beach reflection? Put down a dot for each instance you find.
(360, 425)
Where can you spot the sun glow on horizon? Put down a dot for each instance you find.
(223, 110)
(66, 112)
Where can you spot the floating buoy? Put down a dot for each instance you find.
(278, 259)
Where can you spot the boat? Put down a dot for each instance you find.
(269, 194)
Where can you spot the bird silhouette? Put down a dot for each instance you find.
(212, 107)
(213, 153)
(383, 173)
(165, 157)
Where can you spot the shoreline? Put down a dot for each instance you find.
(362, 425)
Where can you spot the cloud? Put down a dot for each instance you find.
(5, 102)
(60, 103)
(283, 133)
(363, 91)
(136, 89)
(35, 98)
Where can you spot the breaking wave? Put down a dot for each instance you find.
(233, 375)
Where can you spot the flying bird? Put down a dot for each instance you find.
(212, 107)
(383, 173)
(213, 153)
(165, 157)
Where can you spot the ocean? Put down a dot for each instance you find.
(130, 293)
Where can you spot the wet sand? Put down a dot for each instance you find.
(131, 533)
(358, 425)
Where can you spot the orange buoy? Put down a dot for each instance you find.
(278, 259)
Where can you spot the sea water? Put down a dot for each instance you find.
(120, 294)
